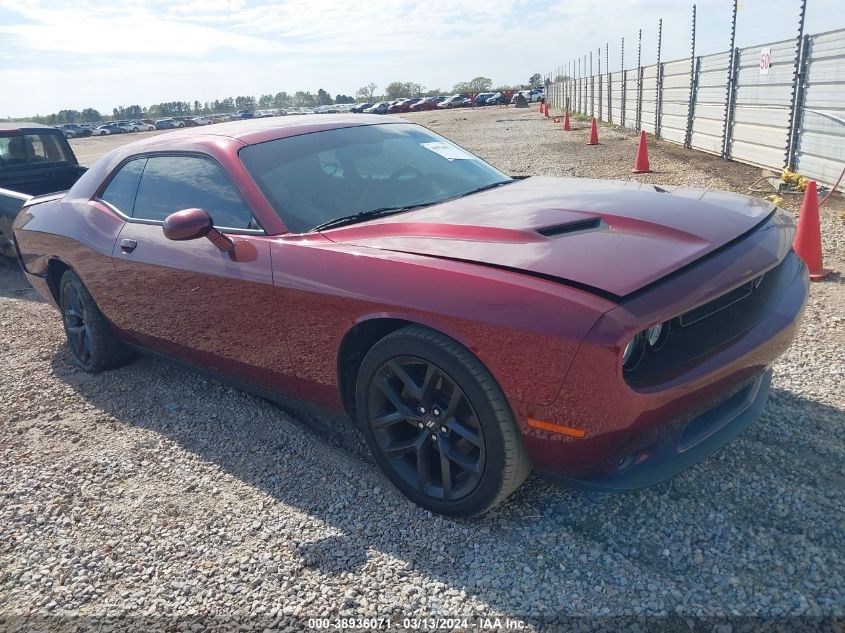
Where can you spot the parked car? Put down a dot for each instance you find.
(260, 114)
(100, 130)
(203, 120)
(140, 126)
(536, 94)
(117, 127)
(361, 107)
(473, 325)
(149, 122)
(401, 105)
(455, 101)
(527, 94)
(481, 98)
(72, 130)
(379, 108)
(35, 160)
(242, 114)
(499, 98)
(428, 103)
(186, 121)
(169, 124)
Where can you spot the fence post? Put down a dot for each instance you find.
(640, 81)
(658, 88)
(623, 87)
(693, 94)
(729, 93)
(609, 87)
(592, 88)
(658, 114)
(586, 88)
(800, 96)
(598, 74)
(730, 118)
(797, 87)
(694, 67)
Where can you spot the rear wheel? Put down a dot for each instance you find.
(93, 346)
(438, 424)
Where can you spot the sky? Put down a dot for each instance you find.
(61, 55)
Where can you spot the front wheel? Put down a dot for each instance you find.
(93, 346)
(438, 424)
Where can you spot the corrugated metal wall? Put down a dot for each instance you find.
(616, 97)
(675, 103)
(631, 93)
(756, 123)
(711, 93)
(821, 141)
(763, 101)
(649, 98)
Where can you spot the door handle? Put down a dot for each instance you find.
(127, 246)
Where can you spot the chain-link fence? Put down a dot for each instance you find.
(773, 104)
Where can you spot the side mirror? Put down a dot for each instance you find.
(191, 224)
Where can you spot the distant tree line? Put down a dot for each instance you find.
(299, 99)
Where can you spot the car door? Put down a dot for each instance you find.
(189, 300)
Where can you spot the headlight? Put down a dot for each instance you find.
(633, 352)
(653, 333)
(651, 339)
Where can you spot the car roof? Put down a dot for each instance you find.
(251, 131)
(23, 125)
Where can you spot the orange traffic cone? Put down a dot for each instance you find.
(546, 111)
(566, 126)
(594, 133)
(641, 164)
(808, 237)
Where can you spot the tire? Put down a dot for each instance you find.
(92, 345)
(423, 400)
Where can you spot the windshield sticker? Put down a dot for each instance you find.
(448, 151)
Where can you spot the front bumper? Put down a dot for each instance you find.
(700, 438)
(642, 425)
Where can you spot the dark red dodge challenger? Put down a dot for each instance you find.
(473, 325)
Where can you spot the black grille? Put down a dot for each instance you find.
(710, 327)
(720, 303)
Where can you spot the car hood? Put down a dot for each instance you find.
(612, 237)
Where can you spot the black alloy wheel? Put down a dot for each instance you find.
(93, 346)
(438, 424)
(427, 428)
(76, 327)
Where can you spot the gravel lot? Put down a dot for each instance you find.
(174, 502)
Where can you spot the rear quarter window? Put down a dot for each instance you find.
(122, 188)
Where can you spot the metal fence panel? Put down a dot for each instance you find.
(763, 101)
(676, 95)
(631, 99)
(649, 104)
(821, 146)
(616, 97)
(709, 114)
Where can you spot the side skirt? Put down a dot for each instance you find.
(272, 396)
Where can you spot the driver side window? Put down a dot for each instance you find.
(173, 183)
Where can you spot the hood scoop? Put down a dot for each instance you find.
(570, 228)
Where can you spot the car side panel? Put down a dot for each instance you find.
(526, 331)
(190, 301)
(78, 233)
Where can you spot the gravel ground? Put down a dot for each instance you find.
(176, 503)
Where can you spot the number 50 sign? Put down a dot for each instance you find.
(765, 60)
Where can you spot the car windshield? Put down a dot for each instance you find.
(314, 178)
